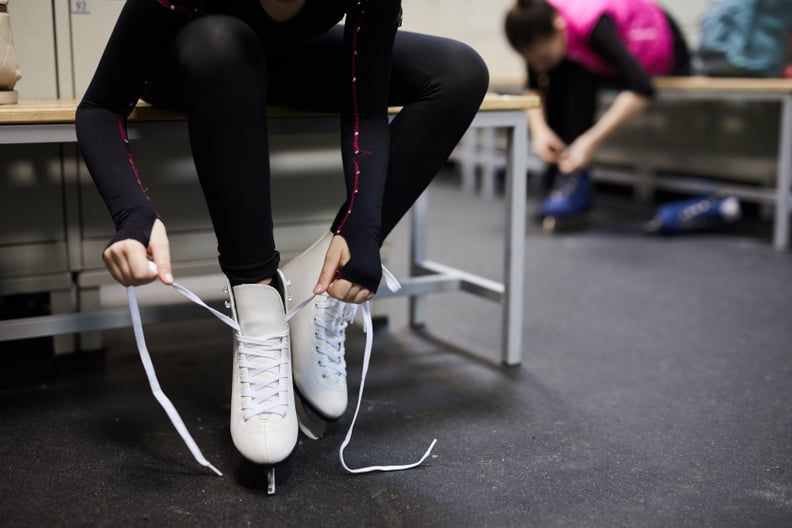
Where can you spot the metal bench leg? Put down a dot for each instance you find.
(61, 302)
(467, 149)
(488, 154)
(418, 255)
(89, 302)
(784, 179)
(514, 245)
(644, 185)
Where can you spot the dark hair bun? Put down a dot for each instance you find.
(529, 22)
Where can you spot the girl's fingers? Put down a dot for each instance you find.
(160, 252)
(331, 264)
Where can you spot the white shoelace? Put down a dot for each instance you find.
(331, 334)
(173, 414)
(368, 328)
(263, 358)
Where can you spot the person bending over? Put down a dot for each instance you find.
(572, 48)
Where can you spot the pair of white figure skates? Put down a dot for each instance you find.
(285, 338)
(273, 356)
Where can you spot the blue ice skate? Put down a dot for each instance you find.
(697, 214)
(569, 200)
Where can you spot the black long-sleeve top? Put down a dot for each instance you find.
(606, 42)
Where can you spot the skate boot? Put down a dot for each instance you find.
(568, 202)
(263, 417)
(318, 334)
(697, 214)
(9, 71)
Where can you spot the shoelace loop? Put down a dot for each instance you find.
(368, 328)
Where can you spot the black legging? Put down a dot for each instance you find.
(220, 74)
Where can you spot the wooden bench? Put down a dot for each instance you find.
(48, 122)
(704, 89)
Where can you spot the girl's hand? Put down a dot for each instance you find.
(337, 256)
(577, 156)
(546, 144)
(128, 263)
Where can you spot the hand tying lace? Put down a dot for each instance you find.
(334, 278)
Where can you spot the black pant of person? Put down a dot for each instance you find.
(439, 82)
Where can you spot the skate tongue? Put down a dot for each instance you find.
(256, 308)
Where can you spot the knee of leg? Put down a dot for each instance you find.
(465, 73)
(217, 45)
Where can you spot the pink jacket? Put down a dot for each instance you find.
(642, 25)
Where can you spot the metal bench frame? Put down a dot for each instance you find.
(426, 276)
(696, 88)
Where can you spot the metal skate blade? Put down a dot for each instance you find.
(311, 425)
(653, 226)
(558, 224)
(271, 481)
(549, 224)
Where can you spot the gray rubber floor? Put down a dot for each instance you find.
(656, 390)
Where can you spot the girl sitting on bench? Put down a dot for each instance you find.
(221, 63)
